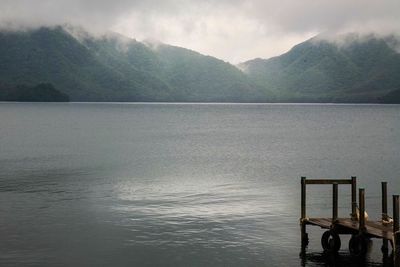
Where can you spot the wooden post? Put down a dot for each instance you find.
(304, 235)
(353, 197)
(396, 250)
(303, 197)
(361, 194)
(385, 242)
(396, 231)
(335, 203)
(384, 201)
(395, 213)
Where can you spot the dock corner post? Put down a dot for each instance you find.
(304, 235)
(335, 203)
(353, 198)
(396, 231)
(384, 201)
(303, 197)
(362, 209)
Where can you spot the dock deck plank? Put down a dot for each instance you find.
(373, 228)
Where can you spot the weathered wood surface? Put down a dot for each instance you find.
(328, 181)
(372, 228)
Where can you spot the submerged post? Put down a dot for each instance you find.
(395, 213)
(353, 197)
(362, 209)
(396, 251)
(335, 203)
(396, 231)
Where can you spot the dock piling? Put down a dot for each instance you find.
(396, 232)
(303, 197)
(335, 203)
(304, 235)
(361, 194)
(353, 197)
(385, 242)
(384, 201)
(395, 213)
(396, 249)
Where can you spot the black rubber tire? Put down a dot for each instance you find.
(330, 241)
(358, 245)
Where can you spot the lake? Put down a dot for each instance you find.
(122, 184)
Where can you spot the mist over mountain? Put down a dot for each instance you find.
(112, 67)
(116, 68)
(350, 68)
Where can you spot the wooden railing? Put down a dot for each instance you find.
(334, 182)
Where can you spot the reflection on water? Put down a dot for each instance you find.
(183, 185)
(342, 259)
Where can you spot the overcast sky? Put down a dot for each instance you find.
(233, 30)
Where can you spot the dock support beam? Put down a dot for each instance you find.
(353, 197)
(362, 209)
(335, 203)
(396, 232)
(304, 235)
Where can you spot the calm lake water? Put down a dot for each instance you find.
(184, 184)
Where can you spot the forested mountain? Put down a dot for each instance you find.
(44, 92)
(117, 68)
(350, 69)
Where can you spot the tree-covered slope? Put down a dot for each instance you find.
(53, 55)
(116, 68)
(190, 76)
(44, 92)
(203, 78)
(323, 71)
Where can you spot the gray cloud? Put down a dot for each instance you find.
(234, 30)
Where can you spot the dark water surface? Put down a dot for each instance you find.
(183, 184)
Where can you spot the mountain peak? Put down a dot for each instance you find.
(112, 67)
(344, 68)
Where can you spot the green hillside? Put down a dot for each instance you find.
(321, 71)
(44, 92)
(203, 78)
(53, 55)
(116, 68)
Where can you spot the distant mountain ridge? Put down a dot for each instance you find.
(114, 68)
(320, 70)
(117, 68)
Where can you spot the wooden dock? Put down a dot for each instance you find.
(360, 229)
